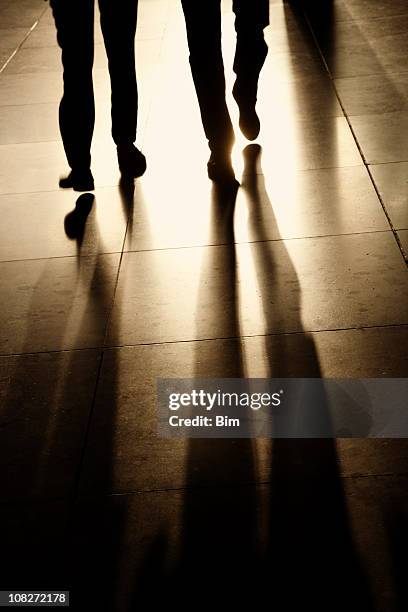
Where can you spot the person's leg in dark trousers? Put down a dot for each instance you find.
(74, 21)
(251, 17)
(203, 22)
(118, 23)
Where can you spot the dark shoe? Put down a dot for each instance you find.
(219, 167)
(78, 180)
(132, 162)
(248, 119)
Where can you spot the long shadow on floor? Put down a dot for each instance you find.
(46, 406)
(309, 555)
(243, 541)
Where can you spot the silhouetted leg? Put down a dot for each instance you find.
(251, 17)
(203, 21)
(118, 23)
(74, 21)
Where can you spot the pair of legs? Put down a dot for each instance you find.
(203, 22)
(74, 21)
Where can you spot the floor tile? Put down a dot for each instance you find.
(326, 283)
(361, 59)
(288, 39)
(365, 46)
(29, 123)
(25, 13)
(64, 225)
(30, 167)
(385, 30)
(403, 236)
(30, 88)
(375, 94)
(43, 421)
(391, 182)
(47, 18)
(384, 27)
(125, 454)
(4, 57)
(124, 423)
(44, 36)
(355, 528)
(382, 137)
(348, 10)
(307, 144)
(294, 66)
(45, 59)
(56, 304)
(302, 98)
(38, 62)
(10, 38)
(39, 122)
(363, 353)
(323, 202)
(46, 87)
(311, 203)
(37, 166)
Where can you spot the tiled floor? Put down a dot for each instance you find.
(302, 273)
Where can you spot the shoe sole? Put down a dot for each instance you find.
(90, 187)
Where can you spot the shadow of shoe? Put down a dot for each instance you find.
(251, 155)
(74, 222)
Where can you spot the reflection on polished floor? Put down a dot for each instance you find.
(299, 273)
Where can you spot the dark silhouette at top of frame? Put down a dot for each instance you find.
(203, 24)
(74, 21)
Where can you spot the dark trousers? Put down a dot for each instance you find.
(74, 20)
(203, 22)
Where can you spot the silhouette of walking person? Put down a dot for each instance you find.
(74, 21)
(203, 24)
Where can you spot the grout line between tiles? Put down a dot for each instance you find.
(77, 478)
(105, 348)
(388, 163)
(31, 29)
(367, 76)
(228, 485)
(6, 503)
(195, 246)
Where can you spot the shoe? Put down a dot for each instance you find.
(249, 123)
(132, 162)
(78, 180)
(219, 167)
